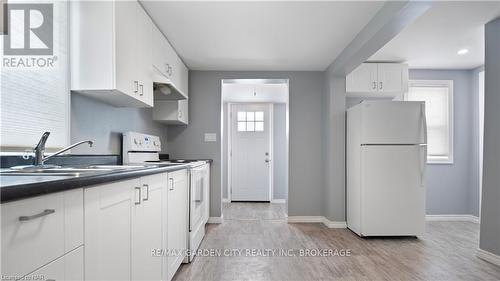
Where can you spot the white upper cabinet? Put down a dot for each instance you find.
(363, 79)
(372, 80)
(392, 77)
(171, 112)
(166, 61)
(111, 52)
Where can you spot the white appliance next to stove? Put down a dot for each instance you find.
(140, 148)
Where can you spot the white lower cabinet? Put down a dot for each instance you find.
(126, 221)
(147, 227)
(39, 230)
(177, 219)
(108, 224)
(68, 267)
(104, 232)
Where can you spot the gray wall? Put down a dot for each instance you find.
(490, 209)
(279, 148)
(306, 91)
(103, 123)
(474, 190)
(280, 179)
(454, 188)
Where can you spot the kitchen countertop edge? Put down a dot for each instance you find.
(24, 191)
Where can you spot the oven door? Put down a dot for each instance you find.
(198, 195)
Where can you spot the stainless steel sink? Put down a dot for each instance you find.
(64, 171)
(17, 173)
(115, 167)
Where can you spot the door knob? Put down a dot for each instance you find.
(267, 160)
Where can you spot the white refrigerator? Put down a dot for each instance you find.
(386, 164)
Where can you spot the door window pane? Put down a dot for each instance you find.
(259, 126)
(242, 126)
(250, 126)
(242, 116)
(259, 116)
(250, 116)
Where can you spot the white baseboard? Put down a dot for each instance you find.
(469, 218)
(488, 256)
(334, 224)
(317, 219)
(278, 201)
(225, 200)
(216, 219)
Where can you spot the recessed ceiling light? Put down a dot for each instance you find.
(462, 51)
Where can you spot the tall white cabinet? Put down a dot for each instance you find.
(111, 52)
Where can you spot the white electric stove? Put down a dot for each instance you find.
(143, 149)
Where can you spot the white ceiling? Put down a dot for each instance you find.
(433, 40)
(255, 92)
(260, 35)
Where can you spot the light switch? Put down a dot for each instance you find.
(210, 137)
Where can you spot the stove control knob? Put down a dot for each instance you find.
(135, 141)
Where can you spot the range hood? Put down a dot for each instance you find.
(164, 89)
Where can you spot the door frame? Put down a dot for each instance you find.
(230, 147)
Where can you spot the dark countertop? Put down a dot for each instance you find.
(20, 187)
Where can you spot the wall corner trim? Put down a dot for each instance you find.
(216, 219)
(469, 218)
(317, 219)
(488, 256)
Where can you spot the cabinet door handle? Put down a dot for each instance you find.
(136, 86)
(171, 184)
(180, 113)
(142, 89)
(374, 85)
(43, 213)
(381, 86)
(147, 192)
(138, 200)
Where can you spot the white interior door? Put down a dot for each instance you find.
(250, 152)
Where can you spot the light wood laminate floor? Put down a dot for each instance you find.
(445, 252)
(253, 211)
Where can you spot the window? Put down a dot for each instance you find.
(438, 98)
(250, 121)
(36, 97)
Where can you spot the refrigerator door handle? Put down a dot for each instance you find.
(423, 164)
(423, 122)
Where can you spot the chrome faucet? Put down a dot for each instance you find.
(39, 149)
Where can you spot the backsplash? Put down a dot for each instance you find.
(104, 124)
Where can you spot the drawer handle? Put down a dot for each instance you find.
(147, 192)
(138, 200)
(171, 184)
(44, 213)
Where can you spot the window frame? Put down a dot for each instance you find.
(449, 85)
